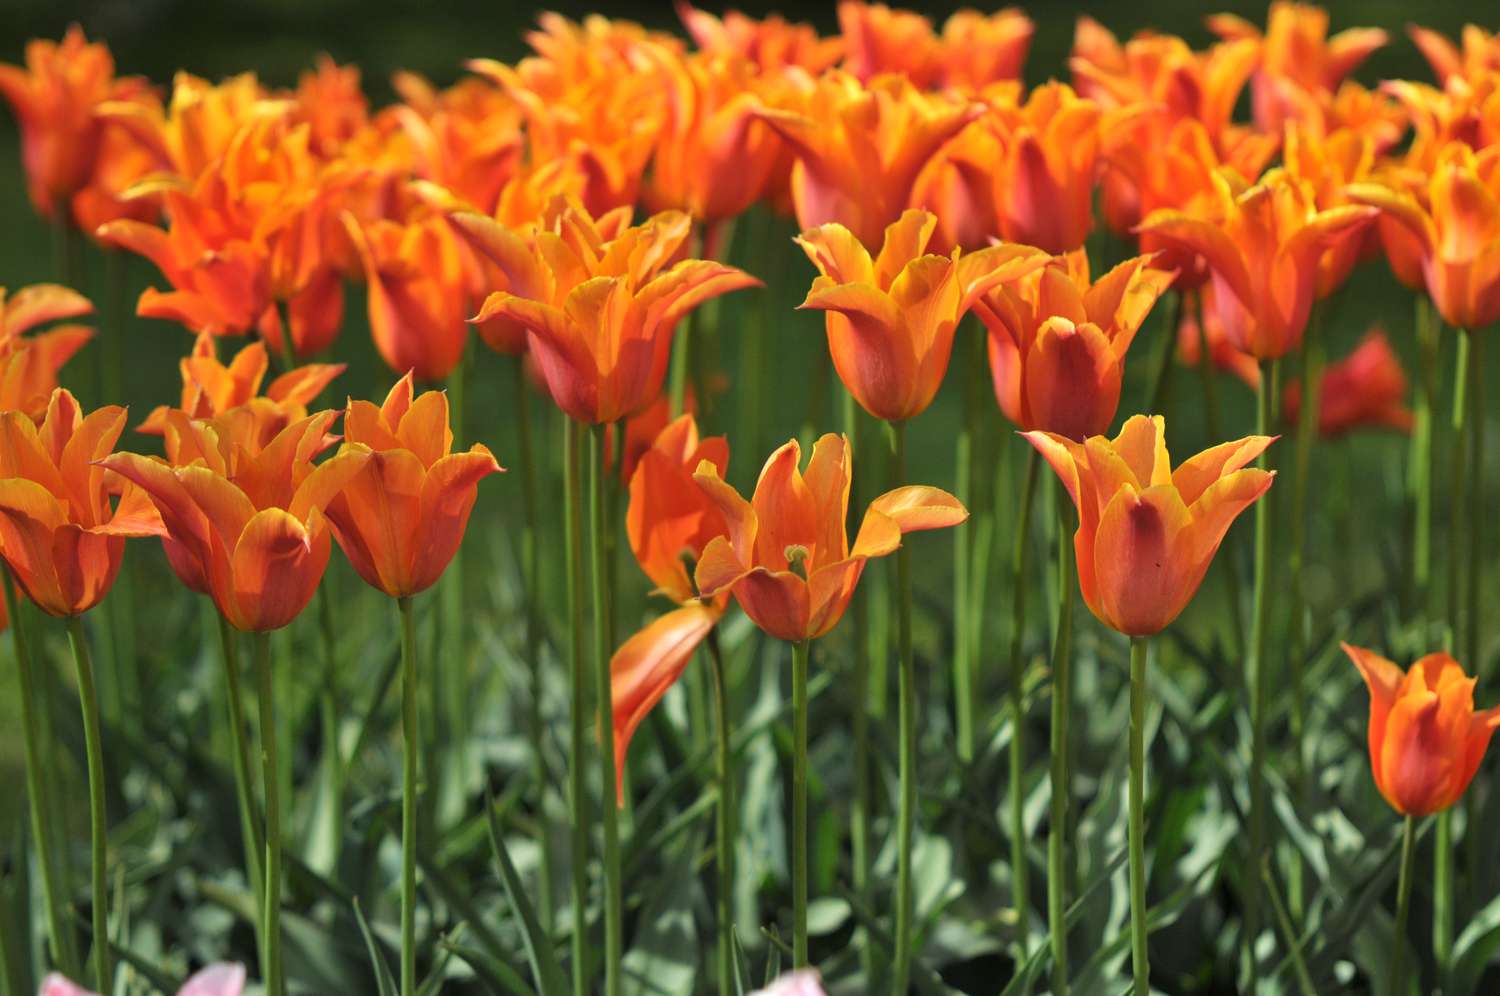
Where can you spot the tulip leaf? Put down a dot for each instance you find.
(1475, 948)
(384, 981)
(495, 974)
(544, 967)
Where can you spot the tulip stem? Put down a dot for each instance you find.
(725, 820)
(1420, 469)
(59, 936)
(1256, 673)
(1403, 905)
(963, 608)
(1473, 635)
(250, 825)
(906, 813)
(578, 740)
(1018, 584)
(1442, 864)
(1161, 381)
(613, 933)
(800, 652)
(270, 768)
(411, 748)
(88, 699)
(1138, 924)
(1062, 694)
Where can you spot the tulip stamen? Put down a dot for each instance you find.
(797, 556)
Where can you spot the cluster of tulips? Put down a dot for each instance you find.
(928, 185)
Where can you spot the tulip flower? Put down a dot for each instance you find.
(803, 983)
(1479, 54)
(29, 364)
(601, 319)
(1329, 163)
(880, 40)
(785, 554)
(1147, 533)
(891, 320)
(215, 980)
(1263, 255)
(1457, 234)
(1222, 353)
(1057, 343)
(401, 517)
(771, 44)
(980, 50)
(1367, 387)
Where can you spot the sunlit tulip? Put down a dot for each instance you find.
(215, 980)
(1463, 110)
(980, 50)
(786, 555)
(1263, 253)
(29, 364)
(59, 534)
(1328, 164)
(1365, 388)
(891, 320)
(881, 39)
(57, 97)
(468, 139)
(211, 388)
(956, 187)
(401, 518)
(1057, 342)
(247, 523)
(772, 43)
(600, 312)
(1147, 533)
(1426, 740)
(1044, 178)
(1479, 54)
(642, 429)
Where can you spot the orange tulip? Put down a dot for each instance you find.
(599, 310)
(1480, 53)
(1426, 740)
(468, 138)
(57, 100)
(880, 39)
(1057, 343)
(772, 44)
(59, 534)
(1462, 111)
(891, 320)
(29, 363)
(209, 388)
(401, 518)
(1147, 533)
(1458, 234)
(980, 50)
(1222, 352)
(1367, 387)
(244, 522)
(786, 555)
(1329, 163)
(641, 430)
(1264, 256)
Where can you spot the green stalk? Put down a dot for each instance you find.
(531, 588)
(1161, 381)
(1257, 673)
(1442, 865)
(59, 936)
(800, 653)
(1473, 635)
(613, 903)
(450, 676)
(578, 804)
(1019, 875)
(1420, 461)
(251, 834)
(328, 714)
(410, 750)
(1138, 954)
(963, 606)
(1062, 695)
(88, 699)
(270, 769)
(1403, 906)
(725, 821)
(906, 813)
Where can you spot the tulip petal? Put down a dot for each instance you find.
(447, 499)
(1197, 473)
(1142, 578)
(216, 980)
(838, 255)
(276, 567)
(39, 304)
(915, 507)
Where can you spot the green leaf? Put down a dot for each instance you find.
(1474, 949)
(385, 982)
(544, 967)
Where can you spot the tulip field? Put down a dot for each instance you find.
(686, 501)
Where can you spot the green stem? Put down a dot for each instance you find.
(531, 587)
(1258, 677)
(252, 836)
(1403, 906)
(963, 607)
(613, 930)
(59, 936)
(578, 804)
(1475, 541)
(1442, 865)
(1138, 924)
(906, 813)
(411, 750)
(1019, 873)
(1062, 693)
(328, 709)
(93, 739)
(270, 775)
(1420, 463)
(1161, 381)
(725, 828)
(450, 676)
(800, 653)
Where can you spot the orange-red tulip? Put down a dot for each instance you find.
(1480, 52)
(1147, 533)
(980, 50)
(772, 44)
(891, 320)
(58, 532)
(1329, 163)
(1457, 233)
(1365, 388)
(245, 523)
(1263, 254)
(600, 311)
(400, 519)
(1057, 343)
(786, 554)
(1426, 740)
(879, 39)
(29, 363)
